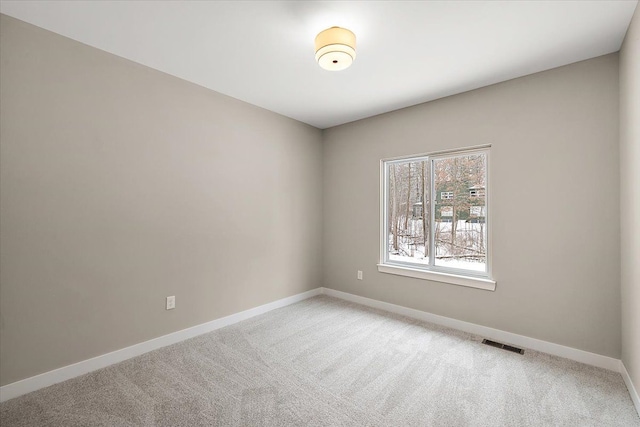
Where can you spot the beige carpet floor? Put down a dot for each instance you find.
(326, 362)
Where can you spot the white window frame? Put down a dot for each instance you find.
(448, 193)
(480, 280)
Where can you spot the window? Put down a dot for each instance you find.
(477, 211)
(476, 192)
(443, 238)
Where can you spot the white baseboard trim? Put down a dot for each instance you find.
(632, 390)
(46, 379)
(582, 356)
(484, 331)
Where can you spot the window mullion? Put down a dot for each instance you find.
(432, 214)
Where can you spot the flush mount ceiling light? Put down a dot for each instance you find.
(335, 48)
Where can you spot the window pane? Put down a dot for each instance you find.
(460, 229)
(408, 215)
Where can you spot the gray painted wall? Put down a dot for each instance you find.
(555, 201)
(630, 197)
(121, 185)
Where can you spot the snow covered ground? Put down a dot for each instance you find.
(465, 233)
(449, 262)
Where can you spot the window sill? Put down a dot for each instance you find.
(436, 276)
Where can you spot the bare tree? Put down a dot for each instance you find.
(408, 186)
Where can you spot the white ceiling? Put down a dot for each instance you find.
(408, 52)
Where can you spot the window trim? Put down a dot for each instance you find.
(483, 280)
(437, 276)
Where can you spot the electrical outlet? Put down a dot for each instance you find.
(171, 302)
(359, 275)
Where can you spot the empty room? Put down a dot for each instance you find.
(320, 213)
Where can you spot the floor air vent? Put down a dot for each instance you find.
(503, 346)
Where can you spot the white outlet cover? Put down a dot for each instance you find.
(171, 302)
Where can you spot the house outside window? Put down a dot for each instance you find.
(417, 210)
